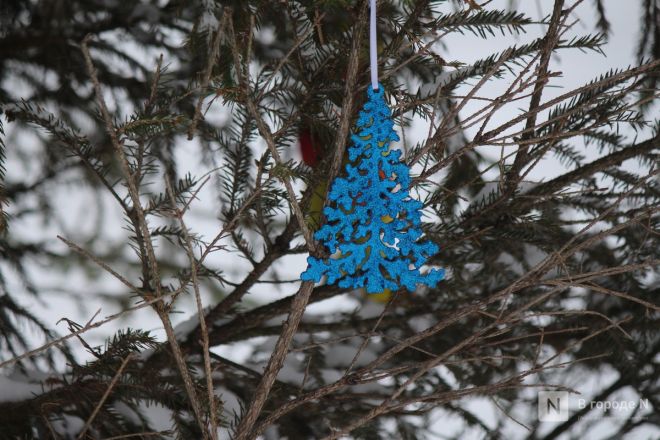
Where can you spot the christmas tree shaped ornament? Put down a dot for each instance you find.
(373, 226)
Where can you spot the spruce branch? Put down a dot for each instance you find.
(302, 297)
(206, 79)
(87, 327)
(106, 394)
(138, 216)
(190, 251)
(549, 277)
(550, 41)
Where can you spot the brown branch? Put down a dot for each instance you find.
(100, 263)
(451, 115)
(137, 215)
(530, 198)
(596, 288)
(275, 363)
(528, 279)
(105, 396)
(213, 54)
(347, 105)
(265, 132)
(276, 251)
(619, 77)
(302, 297)
(386, 405)
(200, 312)
(84, 329)
(550, 41)
(612, 159)
(251, 319)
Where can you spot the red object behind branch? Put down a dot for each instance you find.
(309, 148)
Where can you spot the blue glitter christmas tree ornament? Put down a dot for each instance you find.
(373, 227)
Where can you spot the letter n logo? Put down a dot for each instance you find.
(553, 406)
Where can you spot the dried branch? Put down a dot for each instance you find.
(138, 216)
(105, 396)
(210, 389)
(213, 55)
(550, 41)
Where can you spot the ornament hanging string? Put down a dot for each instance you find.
(373, 46)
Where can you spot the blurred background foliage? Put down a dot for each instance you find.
(168, 70)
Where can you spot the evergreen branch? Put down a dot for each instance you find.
(554, 185)
(267, 135)
(144, 237)
(213, 428)
(481, 23)
(302, 297)
(550, 41)
(206, 79)
(105, 396)
(77, 144)
(294, 47)
(10, 330)
(87, 327)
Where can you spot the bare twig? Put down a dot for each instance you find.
(200, 312)
(265, 132)
(213, 54)
(89, 326)
(302, 297)
(550, 41)
(103, 265)
(144, 236)
(105, 396)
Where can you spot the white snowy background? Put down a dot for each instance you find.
(72, 295)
